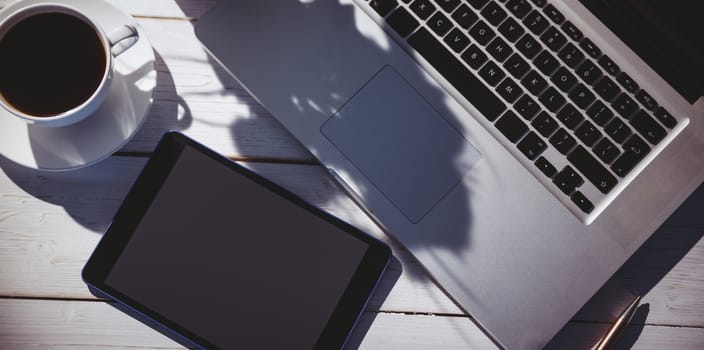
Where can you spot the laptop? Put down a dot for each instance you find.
(521, 150)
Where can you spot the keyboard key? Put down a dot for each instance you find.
(456, 74)
(645, 99)
(511, 126)
(589, 72)
(456, 40)
(554, 15)
(532, 146)
(648, 127)
(474, 56)
(563, 141)
(599, 113)
(491, 73)
(534, 82)
(526, 107)
(509, 90)
(477, 4)
(570, 116)
(553, 39)
(422, 8)
(608, 65)
(607, 88)
(528, 46)
(516, 66)
(402, 22)
(588, 133)
(539, 3)
(519, 8)
(571, 55)
(383, 7)
(535, 22)
(499, 49)
(546, 63)
(511, 30)
(464, 16)
(546, 167)
(606, 151)
(635, 150)
(545, 124)
(493, 13)
(568, 180)
(582, 202)
(439, 24)
(627, 83)
(581, 96)
(552, 99)
(618, 130)
(665, 118)
(624, 105)
(482, 33)
(563, 79)
(590, 48)
(590, 167)
(447, 5)
(572, 31)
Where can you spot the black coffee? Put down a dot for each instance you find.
(50, 63)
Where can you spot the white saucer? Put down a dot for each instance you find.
(109, 128)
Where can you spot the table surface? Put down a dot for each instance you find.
(50, 222)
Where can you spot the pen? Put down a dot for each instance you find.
(619, 325)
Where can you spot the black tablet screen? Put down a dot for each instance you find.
(233, 262)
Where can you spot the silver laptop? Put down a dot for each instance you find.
(521, 150)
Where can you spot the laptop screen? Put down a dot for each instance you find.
(668, 35)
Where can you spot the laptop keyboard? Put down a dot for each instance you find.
(548, 89)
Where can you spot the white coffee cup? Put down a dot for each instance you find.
(114, 43)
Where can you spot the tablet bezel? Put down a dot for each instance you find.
(144, 191)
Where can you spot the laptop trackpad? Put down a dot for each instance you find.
(401, 144)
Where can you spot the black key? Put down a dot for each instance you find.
(482, 33)
(526, 107)
(581, 96)
(383, 7)
(464, 16)
(572, 31)
(606, 151)
(570, 116)
(448, 5)
(402, 22)
(422, 8)
(511, 126)
(477, 4)
(608, 65)
(545, 124)
(590, 48)
(554, 15)
(567, 180)
(571, 55)
(511, 29)
(528, 46)
(492, 73)
(588, 133)
(456, 40)
(546, 62)
(532, 146)
(627, 83)
(516, 66)
(534, 82)
(618, 130)
(439, 24)
(665, 118)
(553, 39)
(474, 57)
(634, 150)
(546, 167)
(563, 141)
(535, 22)
(648, 127)
(509, 90)
(563, 79)
(456, 74)
(552, 99)
(499, 49)
(599, 113)
(590, 167)
(624, 105)
(645, 99)
(589, 72)
(493, 13)
(519, 8)
(539, 3)
(582, 202)
(607, 88)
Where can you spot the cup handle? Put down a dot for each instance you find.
(122, 38)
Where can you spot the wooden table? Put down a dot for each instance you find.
(50, 222)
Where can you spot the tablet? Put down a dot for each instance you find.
(223, 258)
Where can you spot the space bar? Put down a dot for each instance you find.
(457, 74)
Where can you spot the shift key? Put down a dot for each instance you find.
(590, 167)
